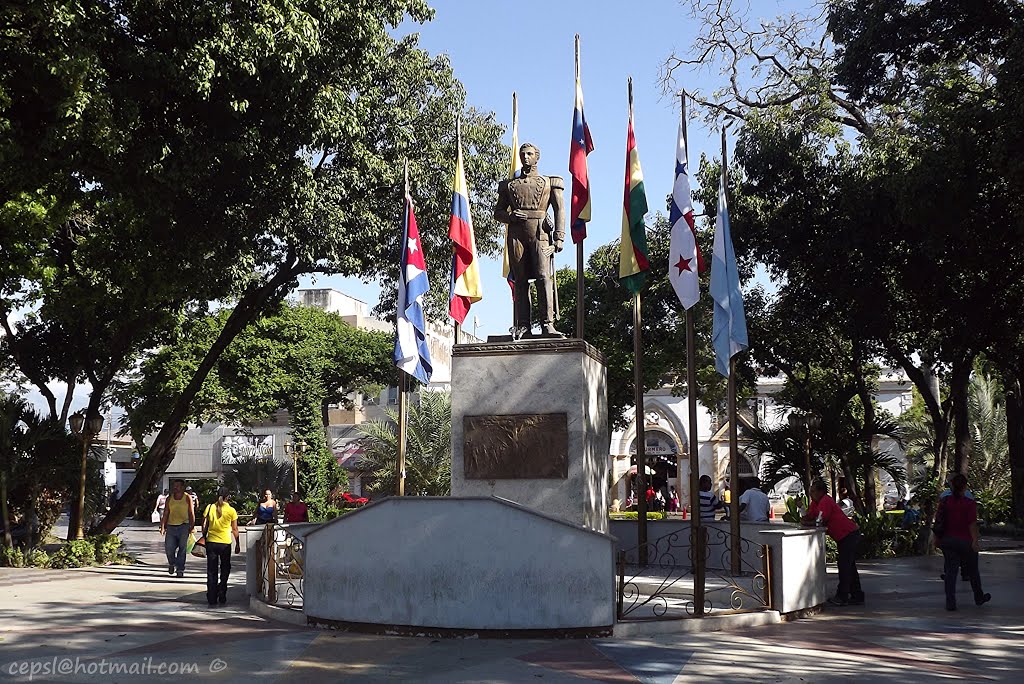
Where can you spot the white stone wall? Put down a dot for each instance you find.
(514, 381)
(475, 564)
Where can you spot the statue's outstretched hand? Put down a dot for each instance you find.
(548, 251)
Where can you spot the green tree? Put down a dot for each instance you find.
(428, 457)
(156, 160)
(299, 358)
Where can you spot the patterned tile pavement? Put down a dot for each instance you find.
(121, 624)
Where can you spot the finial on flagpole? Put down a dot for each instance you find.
(629, 86)
(577, 57)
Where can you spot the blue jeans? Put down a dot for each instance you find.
(174, 546)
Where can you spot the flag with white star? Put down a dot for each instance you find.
(412, 354)
(685, 259)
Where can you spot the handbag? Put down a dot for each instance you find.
(199, 548)
(154, 516)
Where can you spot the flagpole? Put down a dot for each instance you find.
(403, 418)
(697, 532)
(641, 437)
(579, 245)
(734, 454)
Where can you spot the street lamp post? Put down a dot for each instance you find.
(86, 427)
(295, 451)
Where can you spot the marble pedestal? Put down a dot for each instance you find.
(513, 405)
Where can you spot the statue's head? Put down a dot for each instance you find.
(529, 154)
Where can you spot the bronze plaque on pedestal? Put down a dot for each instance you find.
(521, 447)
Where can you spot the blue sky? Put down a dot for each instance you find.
(527, 46)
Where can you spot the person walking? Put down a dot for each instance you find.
(178, 519)
(847, 536)
(266, 510)
(295, 511)
(957, 535)
(220, 524)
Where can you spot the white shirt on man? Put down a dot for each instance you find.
(758, 507)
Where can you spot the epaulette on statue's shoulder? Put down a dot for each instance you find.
(557, 183)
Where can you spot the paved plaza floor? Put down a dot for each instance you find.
(134, 623)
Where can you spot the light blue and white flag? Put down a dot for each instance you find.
(730, 324)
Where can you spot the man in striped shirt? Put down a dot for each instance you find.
(709, 503)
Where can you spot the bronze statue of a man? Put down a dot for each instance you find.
(533, 239)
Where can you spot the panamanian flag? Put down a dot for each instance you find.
(411, 352)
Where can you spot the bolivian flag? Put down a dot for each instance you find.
(633, 263)
(465, 285)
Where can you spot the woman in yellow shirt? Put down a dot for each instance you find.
(220, 523)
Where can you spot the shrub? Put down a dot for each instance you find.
(37, 558)
(633, 515)
(330, 513)
(74, 554)
(107, 547)
(12, 557)
(884, 538)
(992, 508)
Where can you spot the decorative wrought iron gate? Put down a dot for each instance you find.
(677, 583)
(280, 556)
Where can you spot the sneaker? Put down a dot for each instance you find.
(981, 600)
(211, 605)
(170, 569)
(857, 600)
(837, 601)
(181, 574)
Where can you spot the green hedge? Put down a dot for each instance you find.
(633, 515)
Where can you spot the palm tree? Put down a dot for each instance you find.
(990, 446)
(428, 457)
(22, 430)
(249, 476)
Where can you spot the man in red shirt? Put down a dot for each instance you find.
(957, 518)
(295, 511)
(847, 537)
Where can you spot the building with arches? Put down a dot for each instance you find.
(666, 439)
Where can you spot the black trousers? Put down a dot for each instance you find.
(958, 554)
(218, 562)
(849, 579)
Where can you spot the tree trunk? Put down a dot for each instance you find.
(4, 514)
(162, 452)
(961, 420)
(1015, 437)
(870, 490)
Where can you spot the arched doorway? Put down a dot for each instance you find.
(662, 452)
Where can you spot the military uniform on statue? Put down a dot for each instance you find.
(533, 239)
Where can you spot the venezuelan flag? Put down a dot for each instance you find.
(465, 284)
(582, 145)
(633, 263)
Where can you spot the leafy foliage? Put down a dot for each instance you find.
(428, 458)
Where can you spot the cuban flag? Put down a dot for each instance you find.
(582, 145)
(411, 352)
(730, 323)
(465, 284)
(685, 259)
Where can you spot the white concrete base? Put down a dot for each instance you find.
(292, 617)
(538, 377)
(458, 564)
(712, 623)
